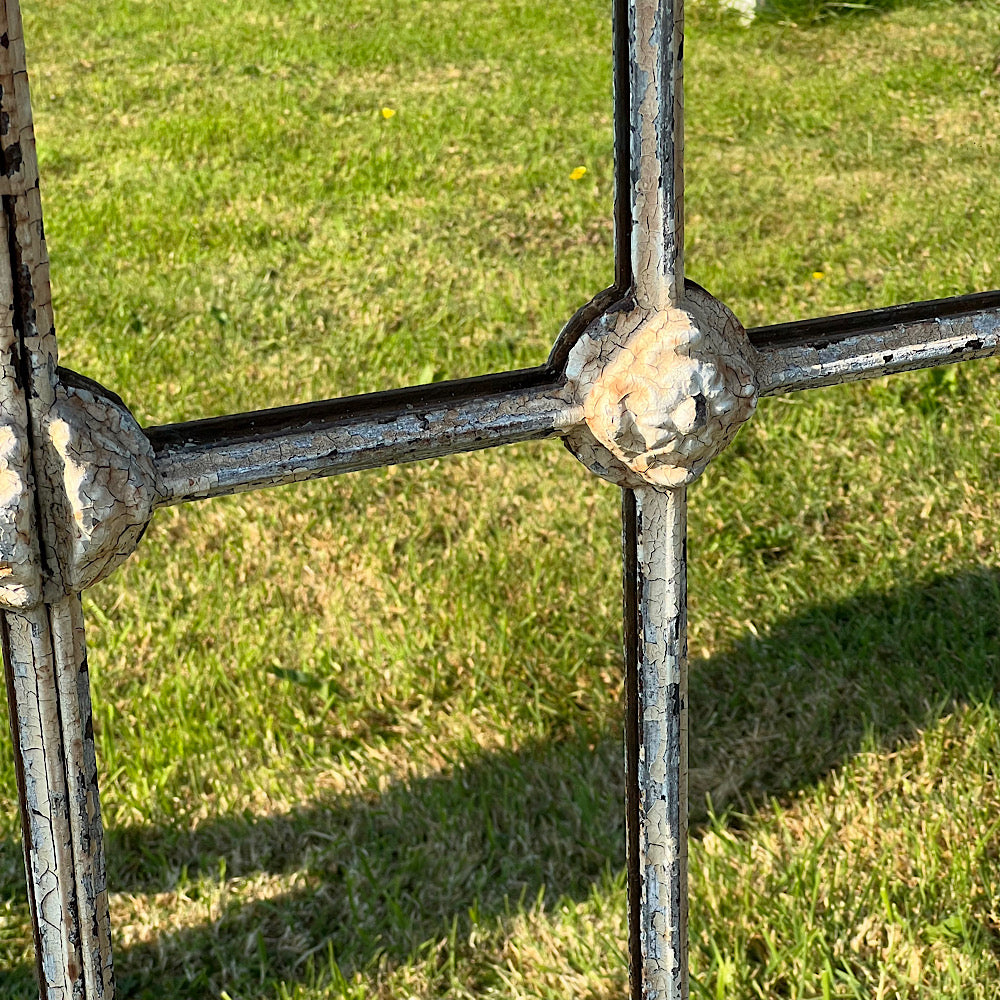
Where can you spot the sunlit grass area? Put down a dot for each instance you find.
(361, 738)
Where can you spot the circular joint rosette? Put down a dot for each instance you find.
(663, 393)
(97, 485)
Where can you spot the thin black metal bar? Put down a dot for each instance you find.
(622, 140)
(631, 631)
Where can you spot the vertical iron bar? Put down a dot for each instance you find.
(48, 692)
(656, 51)
(654, 533)
(655, 578)
(44, 654)
(621, 58)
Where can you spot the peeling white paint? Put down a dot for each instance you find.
(657, 146)
(20, 570)
(663, 393)
(311, 451)
(45, 658)
(900, 348)
(661, 705)
(98, 486)
(20, 573)
(654, 390)
(80, 759)
(102, 483)
(47, 684)
(664, 384)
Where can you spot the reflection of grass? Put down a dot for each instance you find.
(359, 738)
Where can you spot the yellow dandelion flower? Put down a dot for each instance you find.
(577, 173)
(388, 112)
(818, 275)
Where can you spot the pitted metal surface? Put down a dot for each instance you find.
(103, 480)
(100, 485)
(663, 392)
(646, 395)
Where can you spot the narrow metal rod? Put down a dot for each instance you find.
(841, 325)
(43, 648)
(655, 611)
(621, 58)
(45, 663)
(221, 455)
(852, 352)
(310, 445)
(656, 37)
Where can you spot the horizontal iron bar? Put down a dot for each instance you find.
(861, 345)
(807, 331)
(231, 454)
(222, 455)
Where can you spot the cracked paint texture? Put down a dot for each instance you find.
(661, 704)
(20, 577)
(57, 776)
(657, 143)
(103, 482)
(20, 571)
(313, 449)
(652, 395)
(44, 654)
(663, 393)
(899, 348)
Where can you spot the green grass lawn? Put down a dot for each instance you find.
(361, 738)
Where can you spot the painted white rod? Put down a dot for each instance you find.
(87, 830)
(44, 655)
(313, 451)
(47, 684)
(899, 348)
(214, 468)
(654, 534)
(655, 560)
(656, 157)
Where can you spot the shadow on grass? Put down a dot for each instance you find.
(375, 878)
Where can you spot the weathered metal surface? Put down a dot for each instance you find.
(102, 478)
(48, 691)
(802, 332)
(101, 486)
(43, 644)
(664, 426)
(656, 157)
(663, 392)
(220, 455)
(215, 457)
(54, 748)
(655, 608)
(31, 301)
(20, 561)
(808, 355)
(648, 383)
